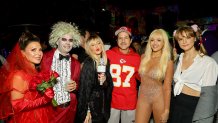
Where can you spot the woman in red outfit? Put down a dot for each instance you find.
(19, 103)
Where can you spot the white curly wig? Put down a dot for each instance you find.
(62, 28)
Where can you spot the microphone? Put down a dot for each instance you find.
(101, 68)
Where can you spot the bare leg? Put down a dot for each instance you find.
(158, 108)
(143, 111)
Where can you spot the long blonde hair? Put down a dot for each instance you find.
(95, 37)
(165, 56)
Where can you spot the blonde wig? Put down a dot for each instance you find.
(62, 28)
(95, 38)
(165, 56)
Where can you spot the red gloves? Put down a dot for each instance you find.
(22, 104)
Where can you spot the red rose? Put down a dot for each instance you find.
(37, 79)
(32, 85)
(48, 80)
(56, 75)
(47, 77)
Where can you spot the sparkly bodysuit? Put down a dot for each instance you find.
(151, 94)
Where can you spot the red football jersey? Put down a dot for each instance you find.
(124, 70)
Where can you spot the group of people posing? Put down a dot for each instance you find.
(174, 88)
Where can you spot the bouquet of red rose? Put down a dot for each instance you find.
(43, 81)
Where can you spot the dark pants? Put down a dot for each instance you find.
(216, 118)
(184, 108)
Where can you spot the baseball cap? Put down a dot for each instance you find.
(123, 29)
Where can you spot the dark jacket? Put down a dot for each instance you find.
(80, 52)
(93, 95)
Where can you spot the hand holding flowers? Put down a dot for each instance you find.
(44, 81)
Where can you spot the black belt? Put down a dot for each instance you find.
(64, 105)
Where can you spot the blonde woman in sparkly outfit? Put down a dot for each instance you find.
(156, 71)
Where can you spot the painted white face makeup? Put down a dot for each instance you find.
(65, 44)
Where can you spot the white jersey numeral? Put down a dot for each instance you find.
(116, 70)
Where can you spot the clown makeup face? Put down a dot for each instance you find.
(65, 44)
